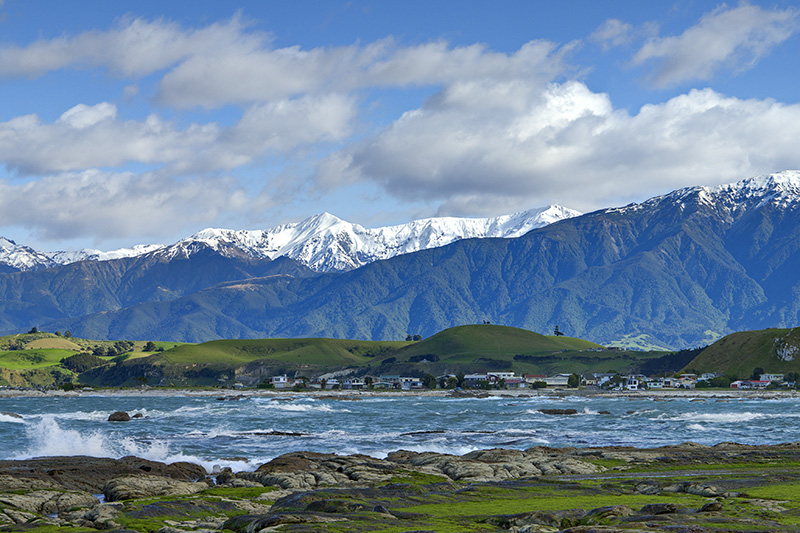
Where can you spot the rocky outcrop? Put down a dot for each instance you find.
(48, 501)
(305, 470)
(87, 474)
(146, 486)
(119, 416)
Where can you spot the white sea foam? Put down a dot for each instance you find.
(720, 418)
(11, 419)
(48, 438)
(696, 427)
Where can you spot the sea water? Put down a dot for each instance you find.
(246, 433)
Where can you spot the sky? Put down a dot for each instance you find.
(132, 122)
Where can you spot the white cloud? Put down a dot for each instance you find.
(229, 63)
(612, 33)
(107, 206)
(92, 136)
(486, 147)
(136, 47)
(726, 38)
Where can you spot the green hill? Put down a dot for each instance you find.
(774, 350)
(474, 348)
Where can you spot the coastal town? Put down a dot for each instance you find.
(509, 380)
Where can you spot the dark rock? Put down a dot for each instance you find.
(610, 511)
(119, 416)
(659, 508)
(559, 411)
(90, 474)
(604, 412)
(138, 415)
(711, 507)
(12, 415)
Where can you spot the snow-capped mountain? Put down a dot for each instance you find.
(322, 242)
(780, 189)
(23, 257)
(326, 243)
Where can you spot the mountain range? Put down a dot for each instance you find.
(323, 242)
(678, 270)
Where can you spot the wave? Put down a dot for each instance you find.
(720, 418)
(12, 419)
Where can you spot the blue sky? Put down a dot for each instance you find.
(135, 122)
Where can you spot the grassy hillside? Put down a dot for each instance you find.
(475, 348)
(774, 350)
(325, 352)
(467, 342)
(34, 359)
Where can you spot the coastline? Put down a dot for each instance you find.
(356, 394)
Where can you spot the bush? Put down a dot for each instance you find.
(82, 362)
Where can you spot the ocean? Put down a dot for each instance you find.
(246, 433)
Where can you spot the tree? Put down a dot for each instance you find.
(757, 371)
(68, 334)
(429, 381)
(57, 333)
(417, 337)
(149, 346)
(574, 381)
(460, 380)
(452, 383)
(368, 382)
(409, 338)
(34, 329)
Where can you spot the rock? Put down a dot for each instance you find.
(48, 501)
(12, 415)
(146, 486)
(711, 507)
(138, 415)
(119, 416)
(603, 412)
(87, 474)
(559, 411)
(611, 511)
(659, 508)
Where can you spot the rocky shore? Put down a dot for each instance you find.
(689, 487)
(349, 394)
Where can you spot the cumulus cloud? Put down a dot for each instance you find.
(481, 147)
(104, 205)
(726, 38)
(92, 136)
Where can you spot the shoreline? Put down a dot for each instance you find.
(231, 394)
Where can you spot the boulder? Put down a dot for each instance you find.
(87, 474)
(119, 416)
(48, 501)
(146, 486)
(559, 411)
(659, 508)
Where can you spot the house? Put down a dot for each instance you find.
(559, 380)
(516, 383)
(533, 378)
(474, 380)
(281, 382)
(778, 378)
(354, 383)
(494, 377)
(632, 383)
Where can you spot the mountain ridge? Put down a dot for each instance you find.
(323, 242)
(679, 270)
